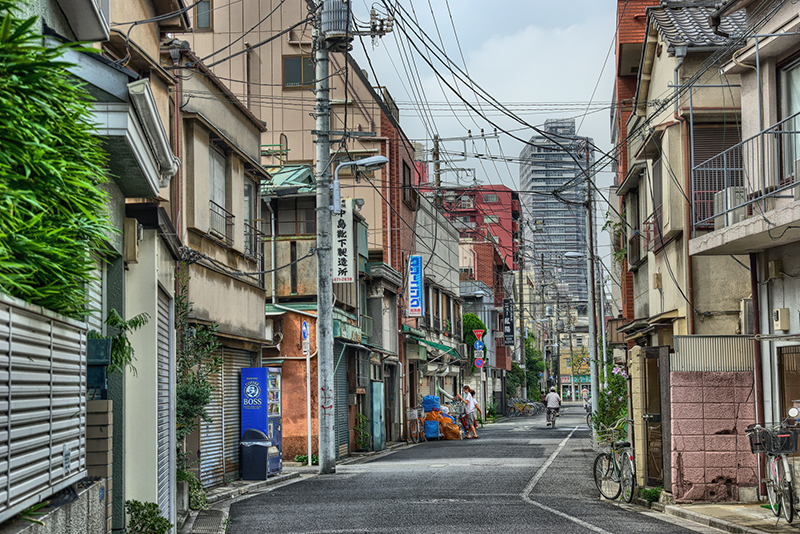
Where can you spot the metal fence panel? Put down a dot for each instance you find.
(42, 404)
(713, 353)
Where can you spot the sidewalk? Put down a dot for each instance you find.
(730, 517)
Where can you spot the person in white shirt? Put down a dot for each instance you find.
(472, 405)
(553, 402)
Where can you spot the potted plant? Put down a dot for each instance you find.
(361, 433)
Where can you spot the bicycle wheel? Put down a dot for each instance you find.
(787, 491)
(627, 476)
(589, 420)
(604, 477)
(421, 430)
(413, 431)
(773, 489)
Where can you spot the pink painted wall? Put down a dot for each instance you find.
(711, 456)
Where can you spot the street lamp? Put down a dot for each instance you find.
(327, 204)
(372, 163)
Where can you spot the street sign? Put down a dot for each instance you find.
(478, 345)
(478, 354)
(478, 333)
(306, 342)
(304, 330)
(478, 362)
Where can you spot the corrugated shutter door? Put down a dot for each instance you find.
(165, 411)
(235, 361)
(340, 400)
(211, 458)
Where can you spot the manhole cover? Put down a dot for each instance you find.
(208, 522)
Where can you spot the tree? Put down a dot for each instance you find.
(52, 211)
(534, 365)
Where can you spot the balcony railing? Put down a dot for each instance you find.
(653, 230)
(437, 323)
(747, 178)
(253, 242)
(462, 225)
(221, 223)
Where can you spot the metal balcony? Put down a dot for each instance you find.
(750, 177)
(220, 223)
(253, 241)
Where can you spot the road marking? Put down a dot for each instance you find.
(535, 480)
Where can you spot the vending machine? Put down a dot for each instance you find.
(262, 409)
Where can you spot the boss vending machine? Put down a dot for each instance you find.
(262, 409)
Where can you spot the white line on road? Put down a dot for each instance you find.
(535, 480)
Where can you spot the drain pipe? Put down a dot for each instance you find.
(758, 376)
(272, 246)
(680, 53)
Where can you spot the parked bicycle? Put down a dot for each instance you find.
(614, 471)
(777, 442)
(587, 405)
(521, 406)
(416, 424)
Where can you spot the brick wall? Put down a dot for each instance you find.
(99, 442)
(711, 456)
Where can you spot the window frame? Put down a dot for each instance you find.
(490, 198)
(304, 84)
(491, 219)
(210, 27)
(283, 208)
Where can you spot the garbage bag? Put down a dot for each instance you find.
(431, 429)
(429, 402)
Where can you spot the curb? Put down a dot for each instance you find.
(703, 519)
(232, 493)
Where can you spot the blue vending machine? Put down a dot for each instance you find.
(261, 411)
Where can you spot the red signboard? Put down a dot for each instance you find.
(478, 333)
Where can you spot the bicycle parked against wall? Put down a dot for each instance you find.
(416, 424)
(614, 471)
(777, 442)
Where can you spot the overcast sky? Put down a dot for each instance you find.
(528, 54)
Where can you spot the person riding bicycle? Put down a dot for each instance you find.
(553, 402)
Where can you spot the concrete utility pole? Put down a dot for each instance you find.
(437, 173)
(522, 337)
(325, 367)
(592, 289)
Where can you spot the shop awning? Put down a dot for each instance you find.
(444, 348)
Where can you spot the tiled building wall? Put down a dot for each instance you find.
(711, 455)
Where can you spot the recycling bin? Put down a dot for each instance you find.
(255, 449)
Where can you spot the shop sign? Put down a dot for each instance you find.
(343, 251)
(508, 322)
(416, 302)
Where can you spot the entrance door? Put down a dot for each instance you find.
(652, 417)
(378, 422)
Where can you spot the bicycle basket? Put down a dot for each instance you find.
(781, 440)
(412, 414)
(757, 444)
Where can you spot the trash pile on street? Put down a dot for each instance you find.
(439, 424)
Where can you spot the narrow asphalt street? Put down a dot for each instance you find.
(519, 476)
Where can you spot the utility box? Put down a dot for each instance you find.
(780, 318)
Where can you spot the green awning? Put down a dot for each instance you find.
(444, 348)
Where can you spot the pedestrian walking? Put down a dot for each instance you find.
(472, 405)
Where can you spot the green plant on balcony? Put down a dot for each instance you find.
(122, 354)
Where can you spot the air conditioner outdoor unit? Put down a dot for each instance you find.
(725, 200)
(467, 203)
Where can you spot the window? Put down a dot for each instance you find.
(491, 219)
(298, 71)
(490, 197)
(203, 15)
(409, 193)
(790, 105)
(251, 237)
(220, 219)
(297, 217)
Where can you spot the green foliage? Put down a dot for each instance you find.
(52, 211)
(303, 459)
(361, 433)
(612, 401)
(651, 495)
(198, 500)
(145, 518)
(121, 349)
(195, 347)
(534, 364)
(491, 411)
(29, 513)
(514, 380)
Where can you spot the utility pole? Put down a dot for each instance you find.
(522, 355)
(437, 173)
(325, 367)
(592, 290)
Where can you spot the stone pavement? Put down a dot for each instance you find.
(731, 517)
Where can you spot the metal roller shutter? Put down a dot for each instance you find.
(235, 361)
(166, 423)
(340, 400)
(211, 457)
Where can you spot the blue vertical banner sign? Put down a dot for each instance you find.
(416, 305)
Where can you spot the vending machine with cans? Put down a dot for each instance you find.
(262, 410)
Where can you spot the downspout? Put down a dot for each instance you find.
(175, 55)
(272, 248)
(680, 53)
(758, 375)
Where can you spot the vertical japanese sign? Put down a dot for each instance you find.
(343, 252)
(415, 287)
(508, 322)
